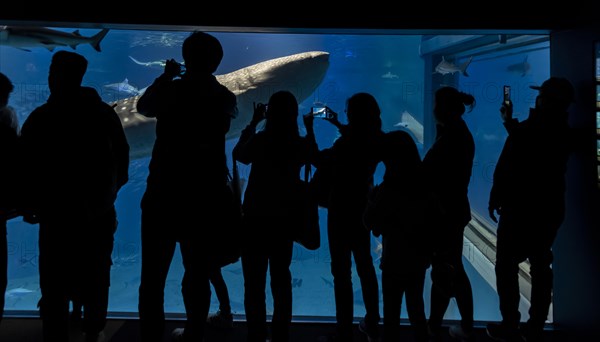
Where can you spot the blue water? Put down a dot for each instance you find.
(388, 66)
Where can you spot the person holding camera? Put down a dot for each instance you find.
(185, 188)
(277, 153)
(350, 165)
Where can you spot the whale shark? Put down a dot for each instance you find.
(299, 73)
(25, 37)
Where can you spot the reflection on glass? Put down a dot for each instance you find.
(402, 71)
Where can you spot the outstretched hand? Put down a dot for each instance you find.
(506, 111)
(492, 213)
(260, 112)
(172, 68)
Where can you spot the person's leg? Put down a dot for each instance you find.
(464, 295)
(511, 247)
(281, 288)
(195, 286)
(440, 292)
(221, 291)
(341, 270)
(541, 281)
(158, 248)
(361, 248)
(255, 264)
(96, 252)
(3, 265)
(415, 305)
(392, 303)
(55, 244)
(508, 248)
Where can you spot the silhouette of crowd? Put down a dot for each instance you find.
(67, 179)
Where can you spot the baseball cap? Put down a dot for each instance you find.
(557, 87)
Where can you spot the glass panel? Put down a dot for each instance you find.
(397, 69)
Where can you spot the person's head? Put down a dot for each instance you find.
(399, 151)
(66, 71)
(556, 94)
(282, 113)
(363, 113)
(6, 87)
(450, 104)
(201, 53)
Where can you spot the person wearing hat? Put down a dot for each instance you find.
(528, 194)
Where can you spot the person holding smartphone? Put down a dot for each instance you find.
(351, 161)
(528, 192)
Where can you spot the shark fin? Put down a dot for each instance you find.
(97, 38)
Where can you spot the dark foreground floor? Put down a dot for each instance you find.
(126, 330)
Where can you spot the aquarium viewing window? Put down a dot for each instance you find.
(401, 70)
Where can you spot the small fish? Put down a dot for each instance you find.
(389, 75)
(445, 67)
(327, 281)
(18, 292)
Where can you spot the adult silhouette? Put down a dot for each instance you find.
(186, 183)
(351, 161)
(276, 154)
(74, 159)
(448, 165)
(528, 193)
(9, 133)
(396, 210)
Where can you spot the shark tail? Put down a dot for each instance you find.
(464, 66)
(97, 38)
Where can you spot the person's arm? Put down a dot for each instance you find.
(313, 148)
(149, 103)
(333, 119)
(506, 114)
(240, 151)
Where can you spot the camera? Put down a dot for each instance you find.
(506, 94)
(321, 112)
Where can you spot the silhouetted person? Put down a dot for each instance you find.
(223, 318)
(276, 154)
(529, 195)
(448, 165)
(352, 160)
(396, 210)
(75, 159)
(185, 185)
(9, 133)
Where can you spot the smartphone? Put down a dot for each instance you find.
(321, 112)
(507, 94)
